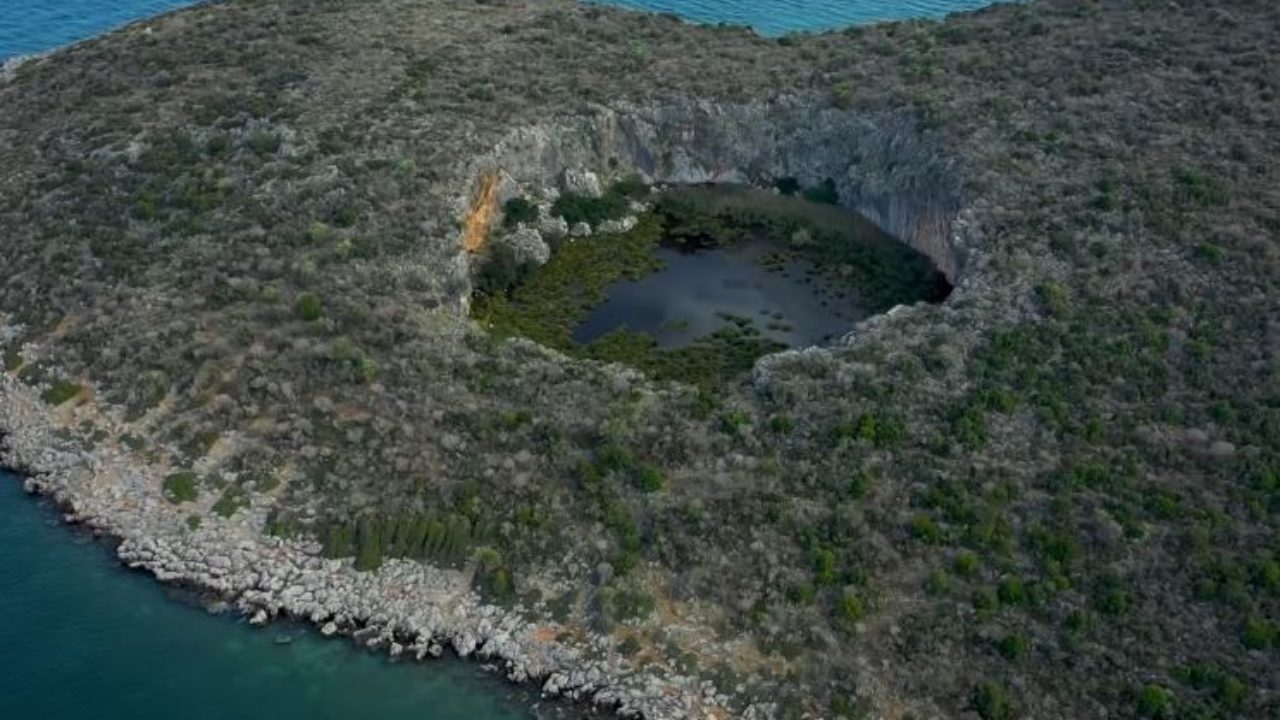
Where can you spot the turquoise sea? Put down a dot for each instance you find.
(80, 637)
(30, 26)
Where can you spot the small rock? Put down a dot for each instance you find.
(528, 246)
(618, 226)
(553, 227)
(580, 230)
(1222, 449)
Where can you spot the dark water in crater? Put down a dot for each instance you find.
(698, 292)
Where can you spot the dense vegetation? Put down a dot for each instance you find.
(1055, 495)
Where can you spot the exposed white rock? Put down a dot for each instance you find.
(528, 246)
(581, 182)
(618, 226)
(552, 227)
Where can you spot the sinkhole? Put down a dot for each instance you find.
(695, 282)
(688, 241)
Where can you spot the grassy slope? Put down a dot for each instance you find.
(1058, 494)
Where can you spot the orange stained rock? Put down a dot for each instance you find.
(484, 206)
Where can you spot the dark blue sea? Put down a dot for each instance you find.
(80, 637)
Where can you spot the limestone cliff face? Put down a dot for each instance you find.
(884, 166)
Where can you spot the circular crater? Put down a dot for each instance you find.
(688, 240)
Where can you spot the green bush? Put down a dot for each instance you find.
(520, 210)
(264, 142)
(501, 271)
(1013, 646)
(593, 211)
(369, 544)
(181, 487)
(1156, 701)
(842, 95)
(966, 564)
(308, 307)
(852, 607)
(231, 500)
(61, 392)
(924, 529)
(650, 478)
(1258, 633)
(492, 577)
(991, 701)
(614, 606)
(938, 582)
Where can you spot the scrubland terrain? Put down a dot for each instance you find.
(234, 231)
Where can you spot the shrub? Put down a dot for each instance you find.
(520, 210)
(501, 271)
(650, 478)
(1012, 592)
(991, 701)
(193, 522)
(966, 564)
(308, 307)
(319, 233)
(492, 577)
(852, 607)
(732, 422)
(632, 187)
(368, 544)
(576, 208)
(264, 142)
(842, 95)
(1196, 187)
(1013, 646)
(61, 392)
(231, 500)
(923, 528)
(860, 483)
(1155, 701)
(181, 487)
(781, 424)
(938, 582)
(630, 646)
(1258, 634)
(614, 606)
(1054, 299)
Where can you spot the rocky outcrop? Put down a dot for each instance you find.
(887, 167)
(527, 246)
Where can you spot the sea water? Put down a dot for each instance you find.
(31, 26)
(83, 637)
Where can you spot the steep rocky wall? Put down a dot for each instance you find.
(885, 167)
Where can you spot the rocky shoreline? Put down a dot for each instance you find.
(406, 609)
